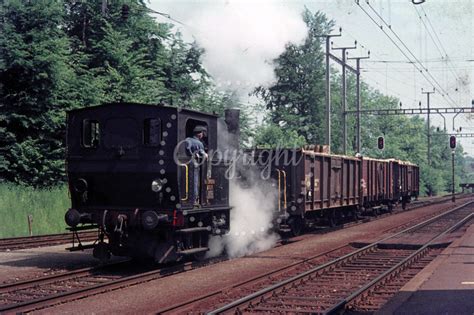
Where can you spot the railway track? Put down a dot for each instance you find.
(35, 294)
(361, 281)
(51, 290)
(426, 201)
(415, 205)
(15, 243)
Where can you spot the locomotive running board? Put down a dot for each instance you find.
(204, 210)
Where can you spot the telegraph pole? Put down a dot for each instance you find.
(357, 59)
(344, 93)
(428, 122)
(452, 145)
(453, 196)
(328, 96)
(328, 88)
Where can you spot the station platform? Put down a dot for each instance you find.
(445, 286)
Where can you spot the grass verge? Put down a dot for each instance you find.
(45, 206)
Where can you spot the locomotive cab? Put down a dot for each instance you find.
(130, 176)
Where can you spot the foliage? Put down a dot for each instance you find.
(271, 136)
(297, 98)
(36, 81)
(60, 55)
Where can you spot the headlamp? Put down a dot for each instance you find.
(157, 185)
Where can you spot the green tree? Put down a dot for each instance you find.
(61, 55)
(297, 97)
(272, 136)
(37, 84)
(122, 58)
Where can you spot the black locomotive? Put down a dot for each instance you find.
(131, 178)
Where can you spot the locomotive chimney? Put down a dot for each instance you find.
(232, 119)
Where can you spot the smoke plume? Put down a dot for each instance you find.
(240, 38)
(250, 220)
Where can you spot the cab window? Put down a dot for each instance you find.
(152, 132)
(90, 133)
(191, 124)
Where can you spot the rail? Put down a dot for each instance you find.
(246, 300)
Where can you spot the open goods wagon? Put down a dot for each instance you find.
(315, 187)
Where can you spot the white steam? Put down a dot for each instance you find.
(250, 221)
(240, 38)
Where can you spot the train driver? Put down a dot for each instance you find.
(195, 148)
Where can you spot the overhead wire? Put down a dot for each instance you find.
(424, 71)
(436, 69)
(391, 68)
(413, 55)
(391, 39)
(449, 60)
(364, 78)
(443, 53)
(439, 85)
(426, 61)
(429, 33)
(435, 33)
(379, 70)
(416, 64)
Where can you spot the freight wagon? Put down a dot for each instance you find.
(315, 187)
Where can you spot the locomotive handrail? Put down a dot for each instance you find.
(279, 190)
(186, 167)
(284, 188)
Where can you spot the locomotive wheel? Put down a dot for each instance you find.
(296, 225)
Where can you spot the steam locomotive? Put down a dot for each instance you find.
(131, 178)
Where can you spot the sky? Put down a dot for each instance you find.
(241, 37)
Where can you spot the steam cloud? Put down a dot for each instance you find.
(250, 221)
(240, 38)
(253, 202)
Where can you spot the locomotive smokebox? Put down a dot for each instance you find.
(232, 119)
